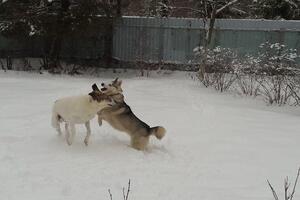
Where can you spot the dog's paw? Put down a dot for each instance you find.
(86, 142)
(69, 142)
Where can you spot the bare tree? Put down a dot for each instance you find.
(287, 195)
(210, 11)
(126, 192)
(110, 195)
(125, 196)
(2, 65)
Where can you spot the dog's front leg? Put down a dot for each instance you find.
(88, 133)
(100, 119)
(67, 132)
(70, 137)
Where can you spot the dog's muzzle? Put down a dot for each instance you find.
(104, 87)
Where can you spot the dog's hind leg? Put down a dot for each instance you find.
(88, 133)
(99, 120)
(67, 132)
(139, 142)
(56, 123)
(58, 129)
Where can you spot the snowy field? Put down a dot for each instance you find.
(217, 147)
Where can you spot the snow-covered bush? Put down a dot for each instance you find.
(276, 59)
(273, 74)
(278, 89)
(246, 69)
(219, 69)
(247, 85)
(218, 59)
(278, 70)
(270, 75)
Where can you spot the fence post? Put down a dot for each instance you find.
(161, 37)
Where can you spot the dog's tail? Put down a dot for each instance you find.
(158, 131)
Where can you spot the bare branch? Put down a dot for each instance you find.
(187, 8)
(273, 191)
(128, 190)
(123, 190)
(226, 6)
(239, 11)
(294, 93)
(125, 196)
(295, 184)
(291, 3)
(286, 188)
(110, 195)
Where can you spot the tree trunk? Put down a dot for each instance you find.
(54, 53)
(119, 8)
(9, 63)
(207, 41)
(211, 26)
(108, 41)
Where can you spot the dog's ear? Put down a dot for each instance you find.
(95, 87)
(120, 82)
(93, 95)
(115, 81)
(96, 96)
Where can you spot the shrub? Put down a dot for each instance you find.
(272, 74)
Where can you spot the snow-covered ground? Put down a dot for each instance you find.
(217, 147)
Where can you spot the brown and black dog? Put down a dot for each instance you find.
(121, 117)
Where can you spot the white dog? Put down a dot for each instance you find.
(78, 110)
